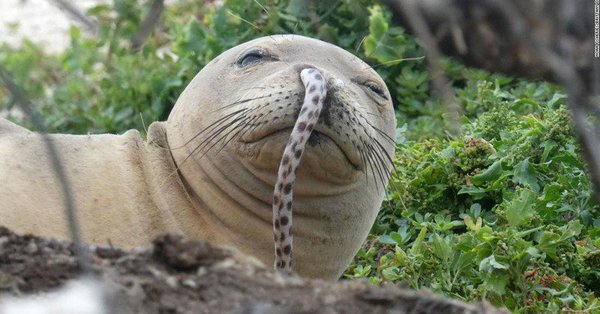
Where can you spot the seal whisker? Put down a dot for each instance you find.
(247, 123)
(388, 157)
(377, 172)
(177, 167)
(232, 120)
(387, 166)
(255, 87)
(213, 125)
(369, 159)
(243, 130)
(222, 132)
(385, 136)
(382, 150)
(209, 139)
(381, 132)
(389, 170)
(364, 161)
(378, 150)
(224, 119)
(243, 101)
(383, 166)
(378, 115)
(377, 165)
(214, 134)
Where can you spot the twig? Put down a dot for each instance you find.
(438, 78)
(22, 101)
(148, 24)
(90, 24)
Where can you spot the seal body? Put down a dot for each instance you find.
(124, 188)
(209, 171)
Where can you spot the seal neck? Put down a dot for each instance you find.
(175, 207)
(235, 201)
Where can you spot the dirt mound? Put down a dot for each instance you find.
(179, 276)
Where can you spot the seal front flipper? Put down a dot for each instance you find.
(7, 127)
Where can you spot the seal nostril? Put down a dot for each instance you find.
(302, 66)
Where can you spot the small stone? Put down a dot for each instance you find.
(190, 283)
(31, 248)
(172, 281)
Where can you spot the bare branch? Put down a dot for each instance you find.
(438, 78)
(148, 24)
(482, 33)
(88, 23)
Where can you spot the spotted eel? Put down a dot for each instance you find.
(314, 97)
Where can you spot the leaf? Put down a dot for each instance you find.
(489, 264)
(549, 147)
(442, 248)
(391, 273)
(418, 246)
(556, 98)
(569, 159)
(297, 9)
(521, 208)
(393, 237)
(193, 39)
(493, 273)
(548, 243)
(401, 134)
(474, 191)
(496, 283)
(401, 256)
(492, 173)
(386, 239)
(572, 229)
(552, 192)
(99, 9)
(473, 226)
(526, 175)
(383, 44)
(462, 261)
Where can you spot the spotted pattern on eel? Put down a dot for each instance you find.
(315, 92)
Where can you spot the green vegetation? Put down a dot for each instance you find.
(503, 211)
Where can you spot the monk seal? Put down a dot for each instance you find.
(209, 171)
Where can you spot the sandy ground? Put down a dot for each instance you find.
(41, 21)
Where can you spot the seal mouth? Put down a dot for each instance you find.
(320, 133)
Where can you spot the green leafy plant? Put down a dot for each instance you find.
(502, 212)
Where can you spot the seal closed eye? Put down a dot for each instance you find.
(210, 170)
(254, 56)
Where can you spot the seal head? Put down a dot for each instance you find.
(228, 130)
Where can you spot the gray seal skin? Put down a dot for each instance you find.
(209, 171)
